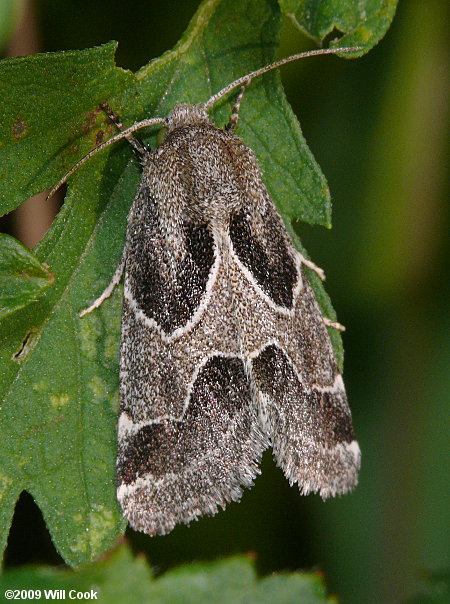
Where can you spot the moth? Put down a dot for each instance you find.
(224, 349)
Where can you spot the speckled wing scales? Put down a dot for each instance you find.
(302, 400)
(189, 436)
(176, 470)
(224, 348)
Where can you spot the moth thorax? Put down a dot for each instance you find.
(186, 115)
(216, 208)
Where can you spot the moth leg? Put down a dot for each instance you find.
(109, 290)
(329, 323)
(237, 105)
(137, 145)
(313, 267)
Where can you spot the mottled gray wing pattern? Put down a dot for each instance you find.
(189, 437)
(303, 405)
(175, 471)
(168, 263)
(224, 349)
(310, 427)
(167, 270)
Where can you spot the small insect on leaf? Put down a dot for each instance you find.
(224, 348)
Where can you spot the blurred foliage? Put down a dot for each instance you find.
(122, 577)
(10, 15)
(379, 129)
(435, 590)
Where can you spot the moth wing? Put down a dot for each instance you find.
(189, 437)
(303, 404)
(175, 471)
(307, 416)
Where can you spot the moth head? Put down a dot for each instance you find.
(186, 115)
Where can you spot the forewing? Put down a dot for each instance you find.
(189, 435)
(303, 404)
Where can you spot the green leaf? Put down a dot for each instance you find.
(35, 115)
(59, 409)
(360, 22)
(48, 113)
(122, 578)
(22, 277)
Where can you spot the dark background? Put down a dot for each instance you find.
(379, 129)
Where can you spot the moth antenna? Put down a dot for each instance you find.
(117, 137)
(138, 146)
(246, 79)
